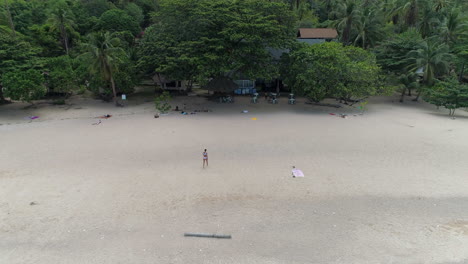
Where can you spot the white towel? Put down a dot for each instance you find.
(297, 173)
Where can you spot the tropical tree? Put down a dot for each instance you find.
(433, 58)
(196, 40)
(10, 19)
(347, 13)
(369, 28)
(406, 11)
(428, 22)
(116, 20)
(453, 27)
(104, 54)
(409, 81)
(331, 70)
(61, 20)
(449, 94)
(16, 54)
(392, 53)
(24, 85)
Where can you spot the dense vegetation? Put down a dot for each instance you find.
(107, 46)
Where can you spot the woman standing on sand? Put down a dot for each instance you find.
(205, 158)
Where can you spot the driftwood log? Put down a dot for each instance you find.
(207, 235)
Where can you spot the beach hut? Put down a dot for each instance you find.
(316, 35)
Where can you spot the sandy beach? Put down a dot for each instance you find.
(388, 186)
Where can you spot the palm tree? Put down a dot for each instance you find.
(405, 9)
(409, 81)
(347, 13)
(61, 21)
(439, 5)
(104, 53)
(369, 28)
(428, 22)
(433, 58)
(453, 27)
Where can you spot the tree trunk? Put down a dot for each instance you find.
(277, 86)
(417, 96)
(347, 32)
(460, 78)
(63, 32)
(402, 97)
(113, 89)
(10, 19)
(2, 97)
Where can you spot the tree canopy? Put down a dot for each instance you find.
(331, 70)
(197, 40)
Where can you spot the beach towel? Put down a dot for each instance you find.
(297, 173)
(253, 118)
(104, 116)
(33, 117)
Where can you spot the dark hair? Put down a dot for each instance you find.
(205, 149)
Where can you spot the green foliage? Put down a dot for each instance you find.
(161, 102)
(27, 13)
(17, 54)
(136, 12)
(195, 40)
(449, 94)
(24, 85)
(331, 70)
(116, 20)
(61, 21)
(104, 57)
(433, 58)
(96, 8)
(61, 75)
(127, 77)
(392, 53)
(42, 36)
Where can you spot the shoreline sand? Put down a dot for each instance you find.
(388, 186)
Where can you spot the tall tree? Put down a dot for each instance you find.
(331, 70)
(60, 20)
(454, 26)
(433, 58)
(369, 28)
(16, 54)
(347, 13)
(428, 22)
(195, 40)
(104, 54)
(10, 19)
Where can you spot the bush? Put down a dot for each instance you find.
(161, 102)
(24, 85)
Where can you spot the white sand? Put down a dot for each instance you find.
(386, 187)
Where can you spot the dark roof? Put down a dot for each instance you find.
(317, 33)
